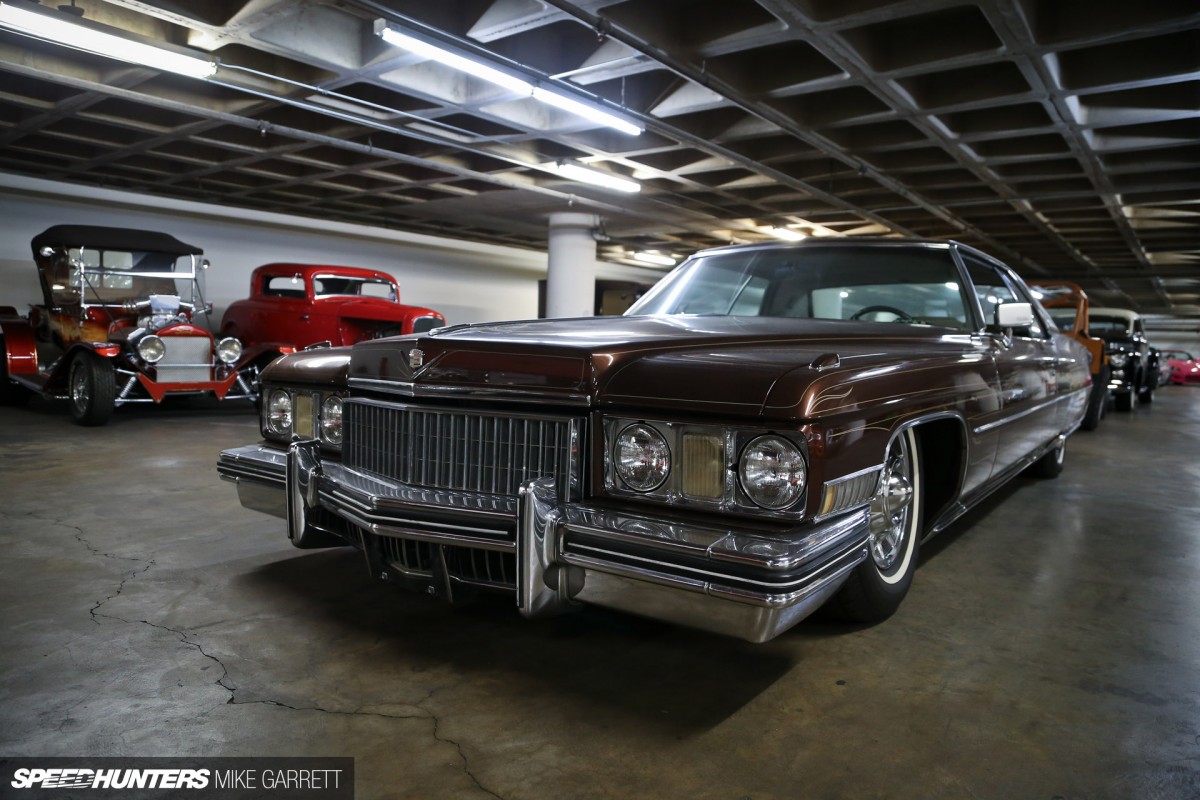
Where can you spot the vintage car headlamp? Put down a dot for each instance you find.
(279, 412)
(772, 472)
(229, 350)
(642, 458)
(331, 420)
(1118, 359)
(151, 349)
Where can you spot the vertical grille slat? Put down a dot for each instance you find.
(187, 359)
(456, 450)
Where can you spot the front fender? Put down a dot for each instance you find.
(56, 378)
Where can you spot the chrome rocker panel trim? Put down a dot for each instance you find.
(737, 583)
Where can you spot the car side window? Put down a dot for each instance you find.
(1042, 326)
(990, 287)
(993, 288)
(284, 286)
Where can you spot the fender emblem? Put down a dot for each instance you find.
(415, 358)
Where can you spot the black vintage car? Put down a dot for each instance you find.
(1133, 374)
(770, 428)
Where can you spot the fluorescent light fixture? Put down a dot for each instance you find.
(787, 234)
(64, 32)
(654, 258)
(500, 78)
(460, 63)
(584, 110)
(594, 177)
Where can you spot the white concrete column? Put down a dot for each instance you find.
(571, 277)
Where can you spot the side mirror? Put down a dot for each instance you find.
(1014, 315)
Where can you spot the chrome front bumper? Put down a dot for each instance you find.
(746, 584)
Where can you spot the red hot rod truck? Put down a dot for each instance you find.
(292, 306)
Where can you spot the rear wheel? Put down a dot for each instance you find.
(92, 388)
(875, 588)
(1097, 401)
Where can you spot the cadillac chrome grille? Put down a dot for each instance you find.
(188, 359)
(456, 450)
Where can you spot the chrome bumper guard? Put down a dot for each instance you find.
(745, 584)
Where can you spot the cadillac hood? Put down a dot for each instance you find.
(744, 366)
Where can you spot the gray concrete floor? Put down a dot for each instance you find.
(1050, 647)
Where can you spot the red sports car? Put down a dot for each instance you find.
(1184, 368)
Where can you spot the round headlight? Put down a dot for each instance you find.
(773, 472)
(279, 412)
(229, 350)
(1118, 359)
(642, 458)
(151, 349)
(331, 420)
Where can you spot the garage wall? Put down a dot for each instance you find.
(1175, 341)
(467, 282)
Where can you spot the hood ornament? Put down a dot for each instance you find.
(416, 358)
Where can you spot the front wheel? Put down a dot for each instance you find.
(92, 387)
(876, 586)
(1146, 393)
(1125, 401)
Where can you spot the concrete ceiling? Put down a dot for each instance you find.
(1060, 135)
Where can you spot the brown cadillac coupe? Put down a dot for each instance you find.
(771, 428)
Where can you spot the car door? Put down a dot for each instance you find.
(284, 312)
(1026, 364)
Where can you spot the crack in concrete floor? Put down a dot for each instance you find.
(226, 680)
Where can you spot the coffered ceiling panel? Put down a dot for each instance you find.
(1061, 135)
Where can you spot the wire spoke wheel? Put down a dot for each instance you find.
(892, 508)
(91, 387)
(874, 589)
(81, 388)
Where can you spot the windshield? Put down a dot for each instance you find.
(94, 277)
(877, 284)
(339, 285)
(1108, 328)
